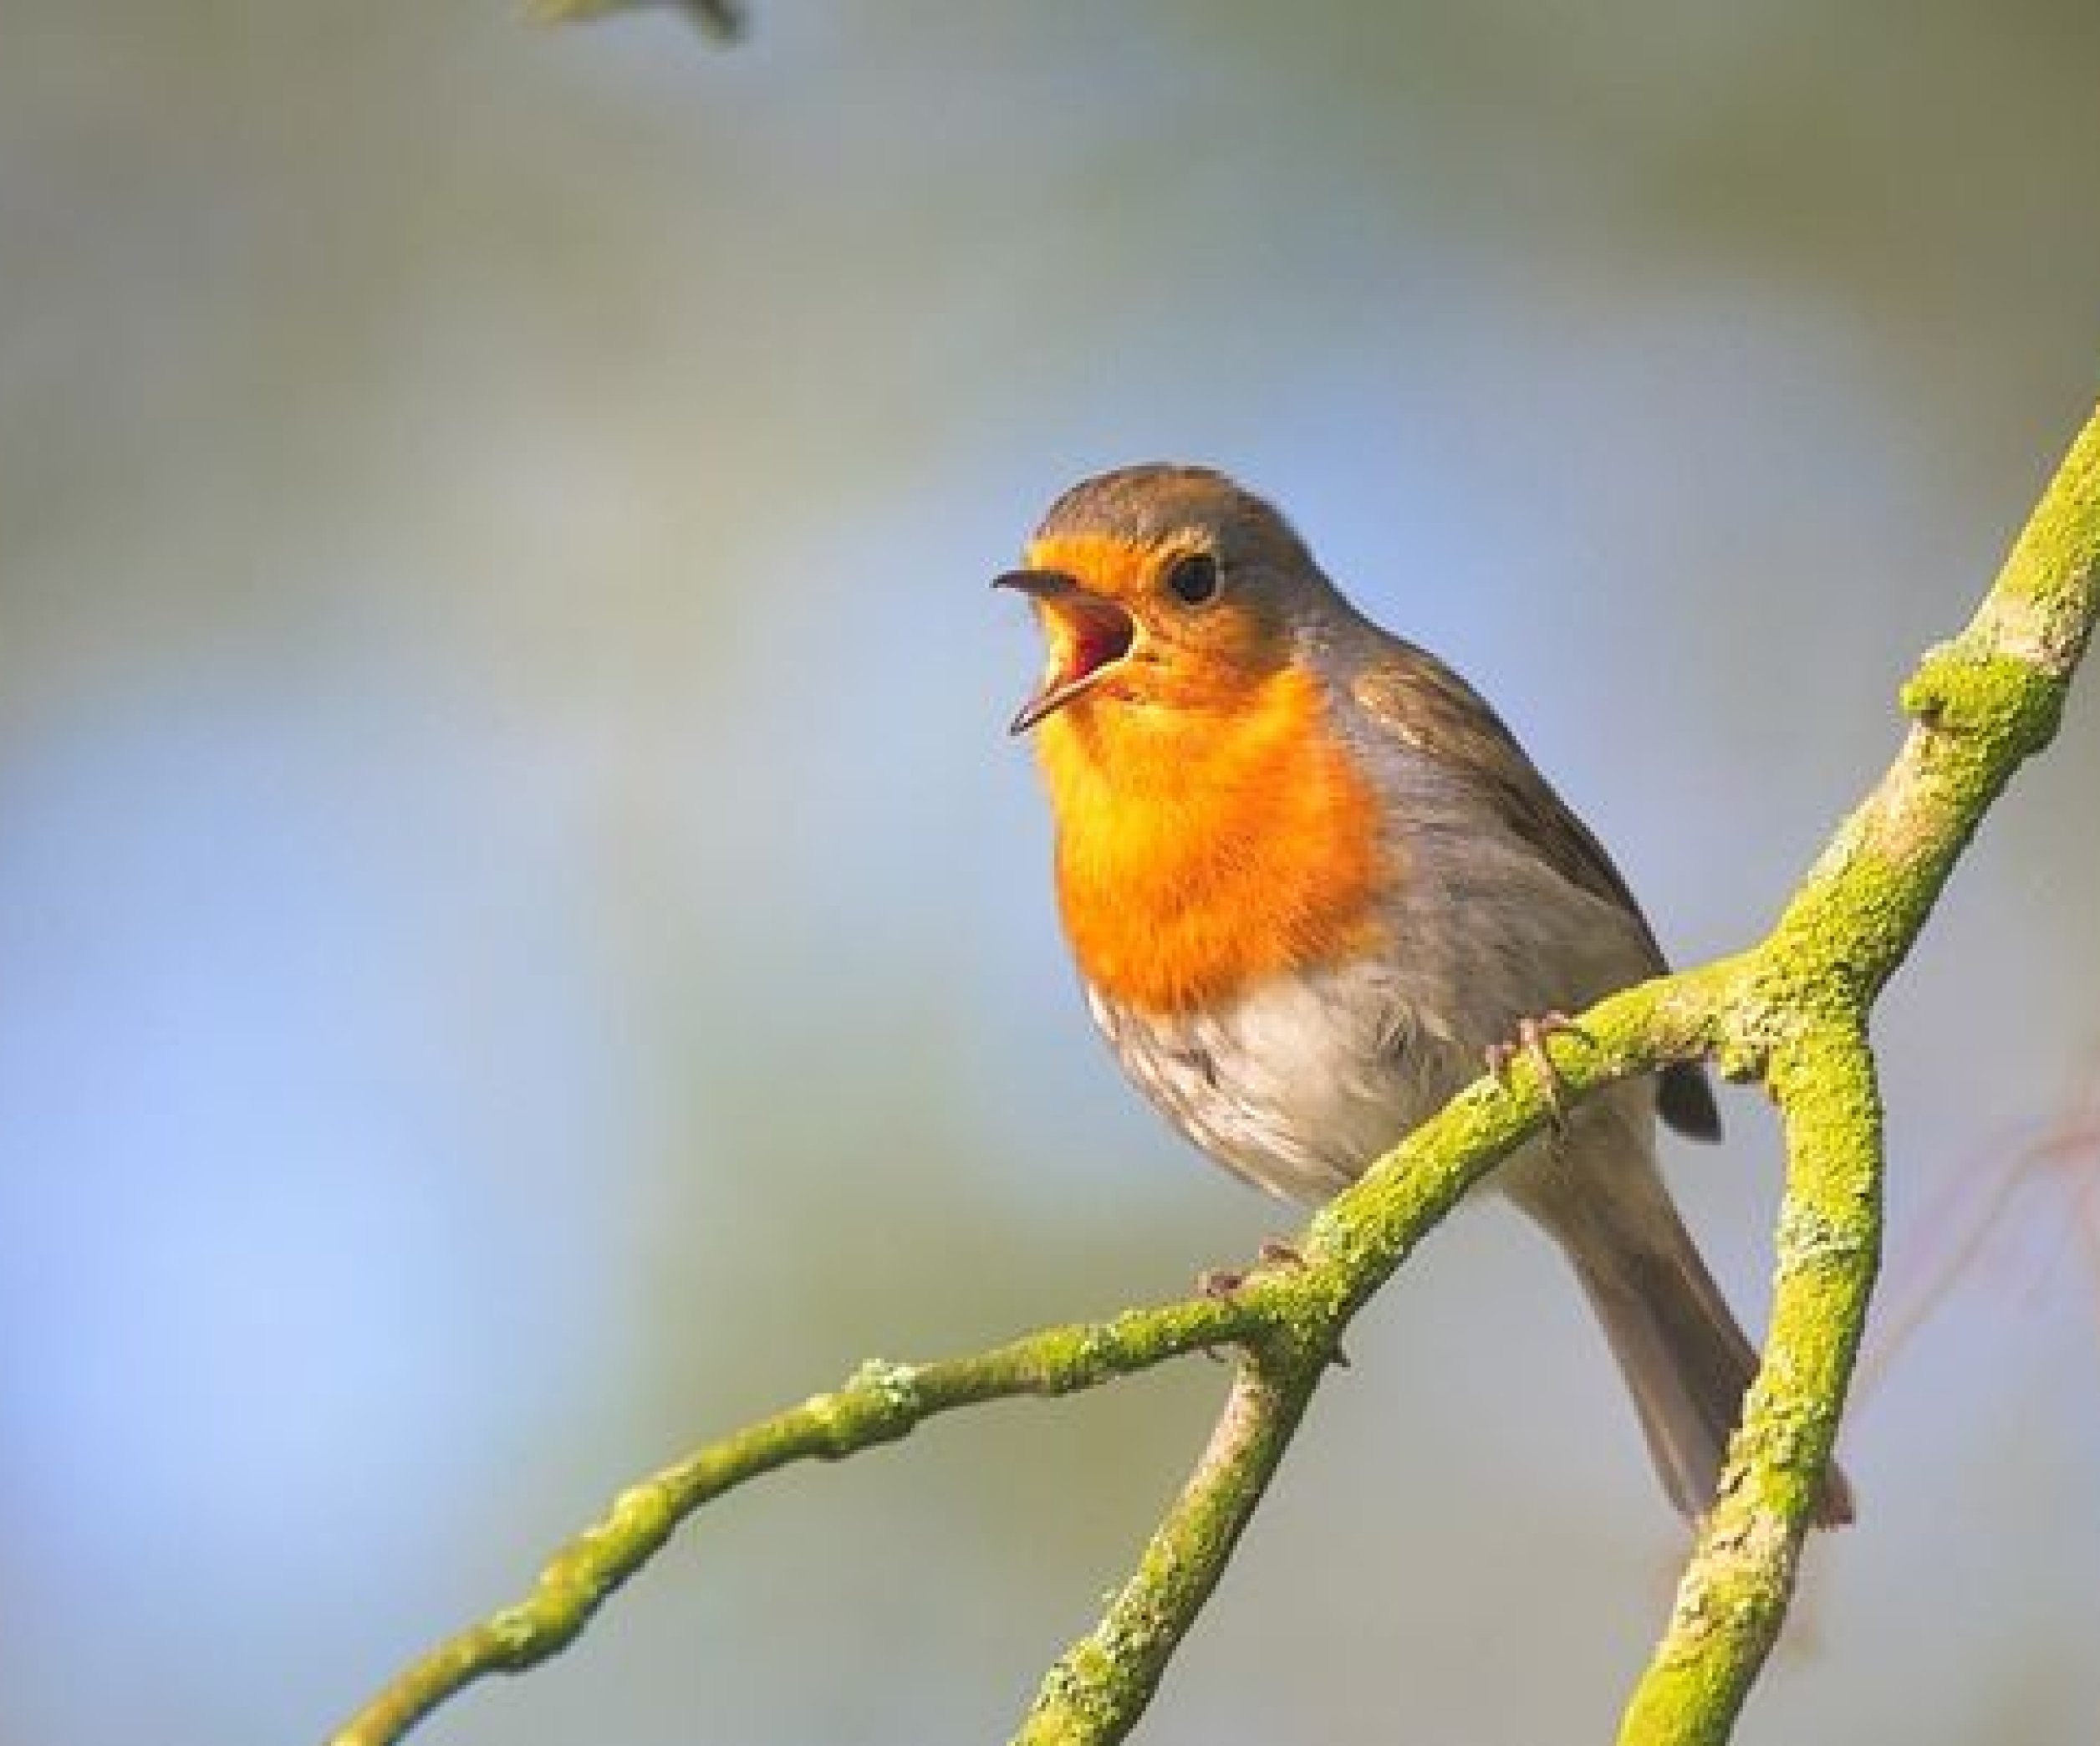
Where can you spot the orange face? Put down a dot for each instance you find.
(1212, 830)
(1150, 625)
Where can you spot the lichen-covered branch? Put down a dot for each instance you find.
(1102, 1684)
(879, 1403)
(1980, 706)
(1791, 1012)
(1288, 1319)
(1732, 1599)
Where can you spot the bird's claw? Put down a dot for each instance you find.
(1222, 1282)
(1531, 1033)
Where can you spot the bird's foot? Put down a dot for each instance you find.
(1530, 1044)
(1222, 1282)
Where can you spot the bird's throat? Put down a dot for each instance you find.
(1200, 853)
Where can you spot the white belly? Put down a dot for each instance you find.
(1301, 1082)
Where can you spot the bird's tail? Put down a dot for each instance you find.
(1686, 1359)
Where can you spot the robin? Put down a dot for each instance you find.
(1310, 882)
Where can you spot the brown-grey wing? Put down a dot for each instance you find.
(1422, 702)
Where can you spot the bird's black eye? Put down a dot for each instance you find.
(1192, 579)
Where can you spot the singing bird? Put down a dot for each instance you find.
(1310, 882)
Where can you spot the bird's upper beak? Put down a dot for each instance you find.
(1088, 634)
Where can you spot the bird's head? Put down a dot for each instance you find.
(1163, 589)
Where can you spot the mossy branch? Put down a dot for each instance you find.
(1791, 1012)
(1980, 706)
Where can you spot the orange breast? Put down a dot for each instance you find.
(1199, 852)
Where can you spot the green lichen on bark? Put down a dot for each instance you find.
(1098, 1688)
(1733, 1594)
(1982, 704)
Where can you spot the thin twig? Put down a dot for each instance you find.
(1102, 1684)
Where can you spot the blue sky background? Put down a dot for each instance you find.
(523, 943)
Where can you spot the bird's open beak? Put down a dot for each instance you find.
(1088, 634)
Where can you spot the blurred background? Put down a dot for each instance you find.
(523, 941)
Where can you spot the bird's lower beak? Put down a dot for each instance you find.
(1088, 634)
